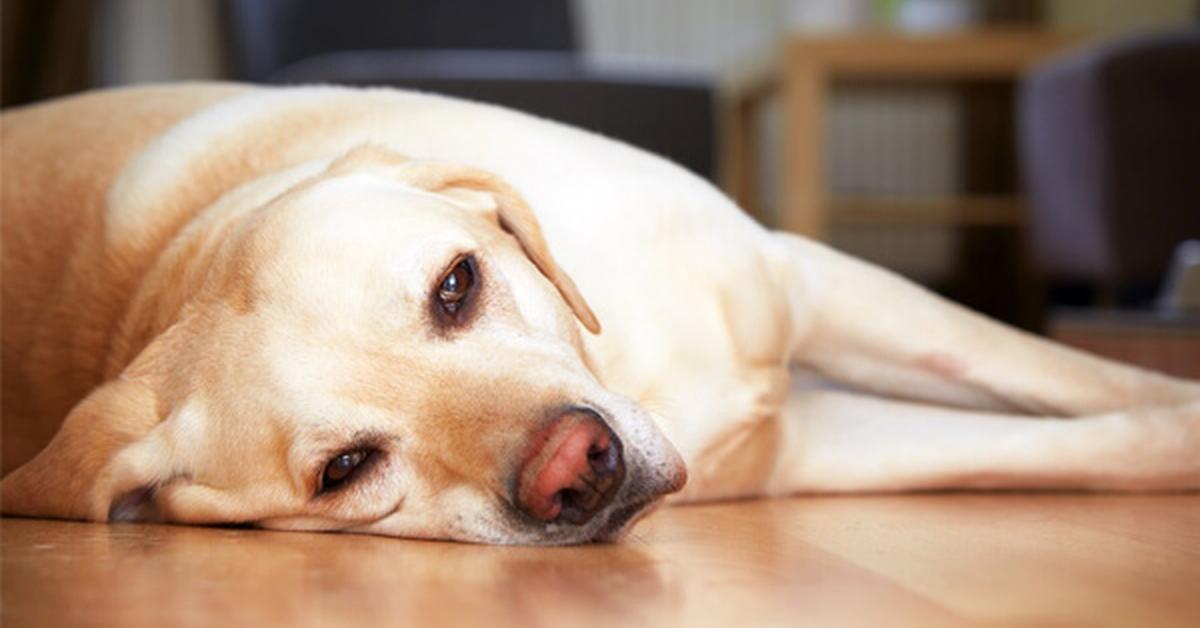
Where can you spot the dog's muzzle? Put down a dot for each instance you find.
(572, 469)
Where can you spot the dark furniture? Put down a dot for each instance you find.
(1161, 341)
(518, 53)
(1110, 149)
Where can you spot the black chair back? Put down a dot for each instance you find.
(270, 34)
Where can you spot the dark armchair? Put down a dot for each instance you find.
(1110, 143)
(518, 53)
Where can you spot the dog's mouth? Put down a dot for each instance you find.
(579, 483)
(642, 499)
(623, 518)
(608, 526)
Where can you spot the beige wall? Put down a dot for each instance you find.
(693, 36)
(156, 40)
(710, 35)
(141, 41)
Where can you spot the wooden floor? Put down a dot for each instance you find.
(926, 560)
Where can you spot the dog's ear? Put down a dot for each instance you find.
(104, 462)
(475, 186)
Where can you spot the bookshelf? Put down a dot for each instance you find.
(811, 68)
(974, 211)
(963, 239)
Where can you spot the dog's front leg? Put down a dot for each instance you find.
(841, 442)
(876, 331)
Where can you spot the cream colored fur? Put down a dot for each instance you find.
(210, 289)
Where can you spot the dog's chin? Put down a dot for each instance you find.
(610, 526)
(639, 500)
(622, 519)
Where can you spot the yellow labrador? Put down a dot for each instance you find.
(380, 311)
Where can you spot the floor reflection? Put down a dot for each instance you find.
(935, 559)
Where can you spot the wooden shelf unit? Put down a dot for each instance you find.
(966, 211)
(999, 53)
(988, 212)
(813, 64)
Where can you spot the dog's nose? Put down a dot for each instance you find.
(571, 470)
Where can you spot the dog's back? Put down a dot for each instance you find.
(60, 298)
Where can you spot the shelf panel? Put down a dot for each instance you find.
(986, 53)
(966, 211)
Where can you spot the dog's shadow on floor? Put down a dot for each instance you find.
(337, 576)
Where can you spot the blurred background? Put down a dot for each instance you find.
(1038, 160)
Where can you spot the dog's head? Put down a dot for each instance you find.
(387, 347)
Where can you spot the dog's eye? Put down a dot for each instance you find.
(342, 468)
(456, 286)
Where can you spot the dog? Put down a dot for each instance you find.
(379, 311)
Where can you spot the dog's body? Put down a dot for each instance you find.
(171, 259)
